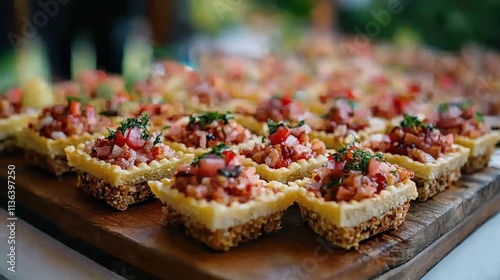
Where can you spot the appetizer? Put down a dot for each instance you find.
(356, 195)
(200, 132)
(432, 156)
(220, 202)
(13, 117)
(159, 114)
(44, 140)
(116, 168)
(286, 155)
(344, 122)
(277, 109)
(470, 130)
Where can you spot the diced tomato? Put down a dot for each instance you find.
(373, 167)
(14, 95)
(349, 94)
(414, 88)
(120, 139)
(286, 99)
(209, 166)
(337, 168)
(229, 156)
(446, 82)
(134, 139)
(400, 104)
(157, 153)
(344, 194)
(279, 136)
(75, 108)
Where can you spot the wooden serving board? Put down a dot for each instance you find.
(139, 237)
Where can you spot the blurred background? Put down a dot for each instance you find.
(54, 39)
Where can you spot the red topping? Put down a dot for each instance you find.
(352, 175)
(61, 122)
(286, 146)
(279, 136)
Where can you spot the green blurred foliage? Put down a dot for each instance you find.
(444, 24)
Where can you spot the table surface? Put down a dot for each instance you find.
(475, 258)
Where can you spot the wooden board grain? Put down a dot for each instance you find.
(139, 237)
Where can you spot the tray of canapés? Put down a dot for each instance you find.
(225, 168)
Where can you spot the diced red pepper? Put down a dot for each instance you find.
(279, 136)
(400, 104)
(14, 96)
(414, 88)
(75, 108)
(286, 99)
(120, 139)
(229, 156)
(134, 139)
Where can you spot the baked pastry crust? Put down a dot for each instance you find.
(481, 145)
(295, 171)
(347, 223)
(10, 126)
(433, 177)
(444, 165)
(115, 175)
(215, 216)
(352, 213)
(480, 150)
(31, 140)
(334, 141)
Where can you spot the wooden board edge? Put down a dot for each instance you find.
(419, 265)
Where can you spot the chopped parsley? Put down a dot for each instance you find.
(208, 118)
(217, 150)
(333, 183)
(273, 126)
(443, 107)
(478, 117)
(394, 172)
(413, 121)
(141, 122)
(230, 172)
(73, 98)
(157, 139)
(356, 158)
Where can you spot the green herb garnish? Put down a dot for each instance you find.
(414, 122)
(443, 107)
(478, 117)
(208, 118)
(273, 126)
(394, 172)
(217, 150)
(333, 183)
(231, 172)
(157, 139)
(73, 98)
(358, 158)
(142, 122)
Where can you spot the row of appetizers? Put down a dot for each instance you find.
(229, 179)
